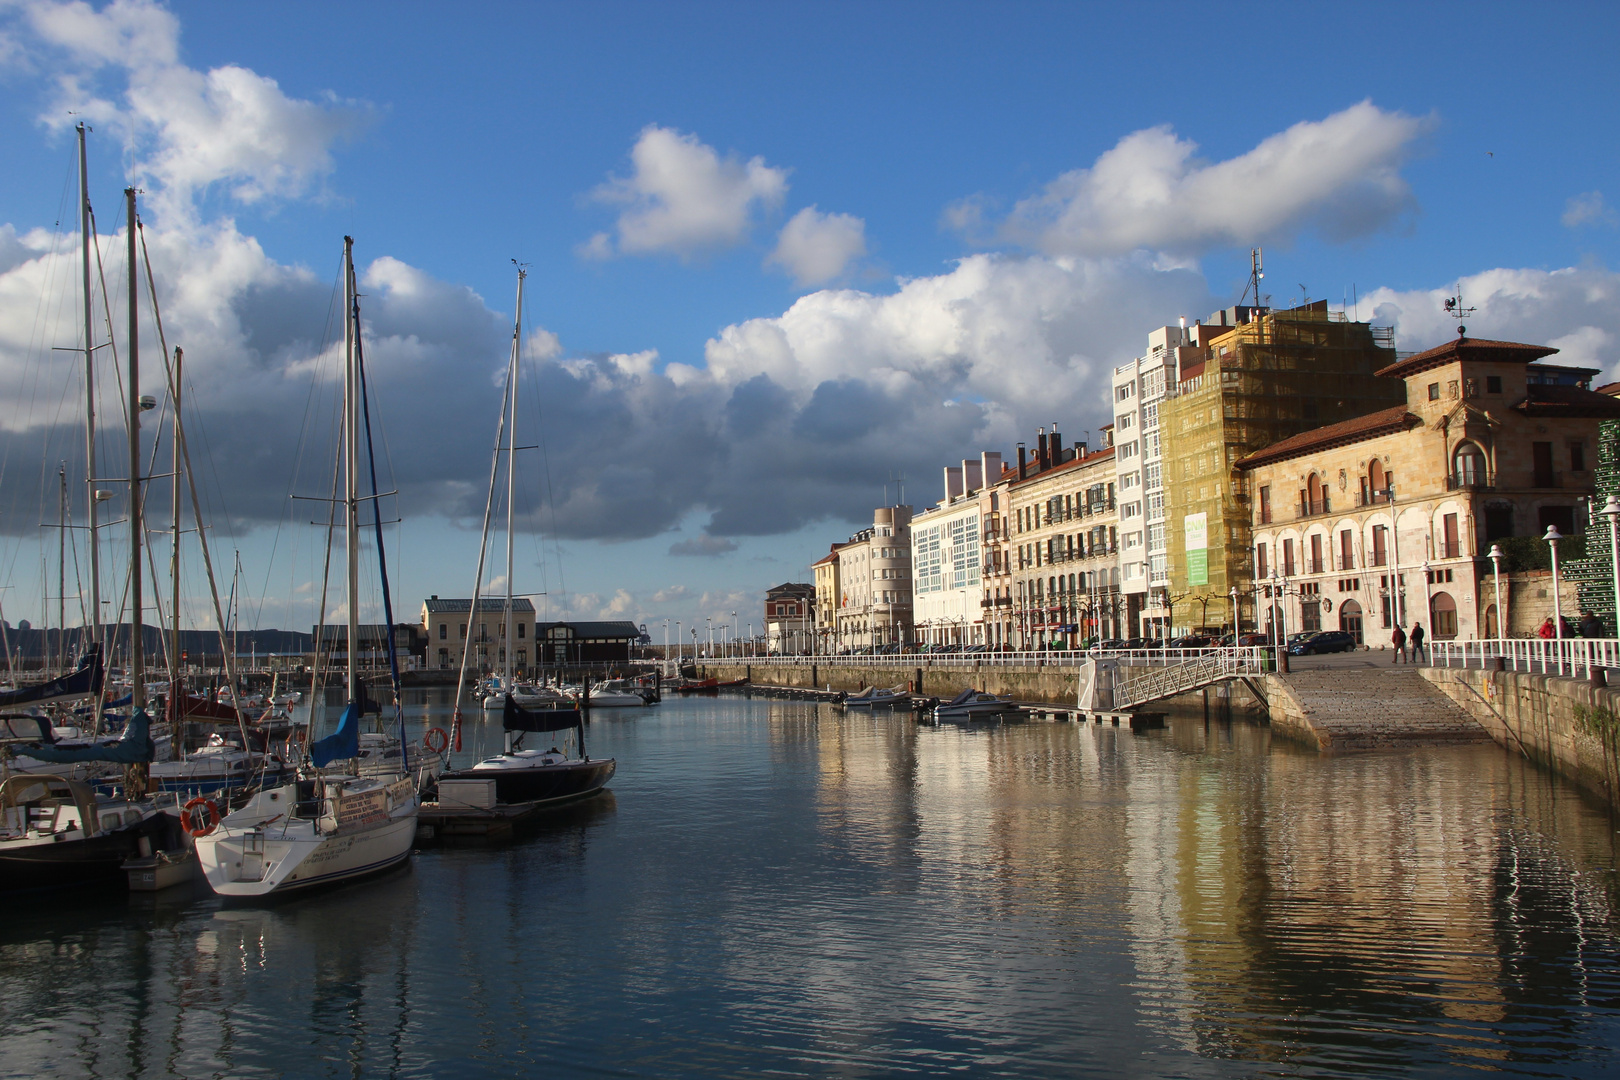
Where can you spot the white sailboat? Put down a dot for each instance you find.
(330, 825)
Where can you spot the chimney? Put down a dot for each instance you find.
(1080, 449)
(990, 466)
(953, 482)
(1055, 445)
(1040, 450)
(1020, 461)
(972, 478)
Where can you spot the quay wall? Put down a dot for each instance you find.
(1567, 726)
(1050, 685)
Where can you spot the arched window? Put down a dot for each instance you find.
(1350, 619)
(1490, 621)
(1376, 480)
(1442, 617)
(1467, 466)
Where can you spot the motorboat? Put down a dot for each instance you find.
(619, 693)
(973, 704)
(56, 832)
(874, 697)
(218, 767)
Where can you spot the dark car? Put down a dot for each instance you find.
(1246, 640)
(1192, 641)
(1324, 641)
(1136, 643)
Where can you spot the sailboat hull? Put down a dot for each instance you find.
(68, 862)
(264, 850)
(516, 781)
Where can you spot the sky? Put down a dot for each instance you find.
(781, 258)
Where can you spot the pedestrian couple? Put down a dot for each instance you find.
(1399, 640)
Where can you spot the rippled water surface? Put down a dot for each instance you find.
(779, 888)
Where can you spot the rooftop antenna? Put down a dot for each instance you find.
(1256, 272)
(1454, 308)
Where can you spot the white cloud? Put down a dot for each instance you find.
(1340, 175)
(816, 248)
(682, 197)
(1568, 309)
(188, 129)
(1588, 209)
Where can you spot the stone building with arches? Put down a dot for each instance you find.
(1387, 519)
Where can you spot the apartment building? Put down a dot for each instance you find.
(874, 578)
(1386, 519)
(790, 617)
(448, 623)
(1064, 582)
(948, 554)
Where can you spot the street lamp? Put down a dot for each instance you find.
(1552, 538)
(1277, 585)
(677, 646)
(1496, 571)
(1611, 510)
(1237, 620)
(1428, 597)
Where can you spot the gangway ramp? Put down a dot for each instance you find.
(1111, 687)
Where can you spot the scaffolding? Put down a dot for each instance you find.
(1257, 383)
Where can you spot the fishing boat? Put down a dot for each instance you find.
(329, 825)
(523, 775)
(972, 705)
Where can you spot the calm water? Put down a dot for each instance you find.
(778, 888)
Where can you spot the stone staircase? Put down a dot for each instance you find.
(1367, 708)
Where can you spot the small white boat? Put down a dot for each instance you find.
(973, 704)
(616, 693)
(877, 698)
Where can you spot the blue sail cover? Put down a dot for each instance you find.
(135, 746)
(85, 682)
(342, 743)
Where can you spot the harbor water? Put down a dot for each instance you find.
(785, 888)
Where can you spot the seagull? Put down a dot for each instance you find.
(1490, 153)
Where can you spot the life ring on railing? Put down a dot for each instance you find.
(436, 740)
(191, 820)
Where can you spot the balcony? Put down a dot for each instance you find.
(1312, 508)
(1372, 498)
(1467, 482)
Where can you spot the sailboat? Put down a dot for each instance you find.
(56, 831)
(524, 776)
(328, 825)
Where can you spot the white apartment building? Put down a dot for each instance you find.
(1140, 388)
(874, 582)
(948, 556)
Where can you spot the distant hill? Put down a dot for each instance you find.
(200, 646)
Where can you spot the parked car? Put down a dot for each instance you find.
(1112, 644)
(1192, 641)
(1249, 640)
(1324, 641)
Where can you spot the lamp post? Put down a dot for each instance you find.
(1277, 585)
(1496, 572)
(1611, 510)
(1237, 620)
(1397, 586)
(1428, 597)
(736, 628)
(1552, 538)
(666, 640)
(677, 646)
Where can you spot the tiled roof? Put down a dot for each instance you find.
(1382, 422)
(1568, 401)
(436, 606)
(618, 628)
(1612, 389)
(1466, 348)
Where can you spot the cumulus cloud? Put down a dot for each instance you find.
(187, 129)
(1588, 209)
(1573, 309)
(704, 545)
(682, 197)
(815, 248)
(1340, 176)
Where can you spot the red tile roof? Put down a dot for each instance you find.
(1572, 402)
(1074, 463)
(1344, 432)
(1466, 348)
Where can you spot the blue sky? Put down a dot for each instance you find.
(778, 254)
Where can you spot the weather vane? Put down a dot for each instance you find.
(1454, 308)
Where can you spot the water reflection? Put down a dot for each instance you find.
(785, 887)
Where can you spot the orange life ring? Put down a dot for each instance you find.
(189, 817)
(436, 740)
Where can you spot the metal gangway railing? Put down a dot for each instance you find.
(1030, 658)
(1571, 657)
(1111, 685)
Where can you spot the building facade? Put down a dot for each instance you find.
(1064, 545)
(1387, 519)
(948, 552)
(451, 627)
(790, 617)
(874, 577)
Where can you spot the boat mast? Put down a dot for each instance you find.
(61, 570)
(137, 654)
(511, 472)
(175, 696)
(90, 399)
(351, 461)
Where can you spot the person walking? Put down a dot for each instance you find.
(1397, 641)
(1591, 625)
(1417, 644)
(1546, 632)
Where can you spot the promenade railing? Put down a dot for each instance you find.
(1572, 657)
(1027, 659)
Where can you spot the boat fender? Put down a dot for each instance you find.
(436, 740)
(200, 817)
